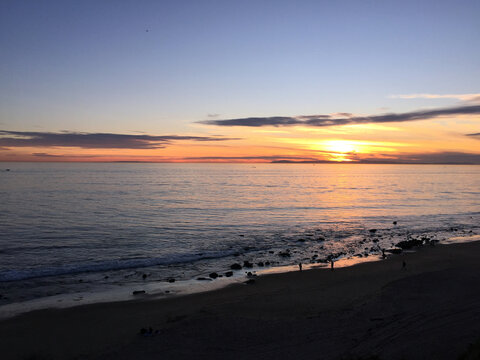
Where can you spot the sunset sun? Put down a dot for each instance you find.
(340, 146)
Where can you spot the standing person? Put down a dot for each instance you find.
(331, 264)
(300, 266)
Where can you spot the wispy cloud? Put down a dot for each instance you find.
(462, 97)
(418, 158)
(446, 157)
(336, 120)
(250, 158)
(47, 155)
(476, 135)
(94, 140)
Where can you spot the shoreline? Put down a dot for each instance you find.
(157, 290)
(160, 290)
(352, 310)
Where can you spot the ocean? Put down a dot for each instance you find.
(73, 230)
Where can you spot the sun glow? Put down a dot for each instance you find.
(339, 146)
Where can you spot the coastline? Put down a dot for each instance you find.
(430, 309)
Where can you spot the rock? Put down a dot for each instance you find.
(394, 223)
(285, 253)
(271, 251)
(171, 280)
(250, 282)
(301, 240)
(213, 275)
(144, 276)
(267, 263)
(372, 231)
(247, 264)
(236, 266)
(229, 273)
(138, 292)
(201, 278)
(408, 244)
(394, 251)
(261, 264)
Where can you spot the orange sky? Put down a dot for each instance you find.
(348, 143)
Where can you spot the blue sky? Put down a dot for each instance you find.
(160, 66)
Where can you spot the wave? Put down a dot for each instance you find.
(120, 264)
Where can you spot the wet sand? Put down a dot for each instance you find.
(428, 310)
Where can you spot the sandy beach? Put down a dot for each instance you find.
(429, 309)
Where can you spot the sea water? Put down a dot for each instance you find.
(70, 228)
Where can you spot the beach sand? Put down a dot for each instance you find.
(428, 310)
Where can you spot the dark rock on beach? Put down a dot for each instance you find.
(138, 292)
(201, 278)
(213, 275)
(236, 266)
(171, 280)
(408, 244)
(394, 251)
(229, 273)
(247, 264)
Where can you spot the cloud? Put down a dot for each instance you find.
(94, 140)
(336, 120)
(429, 158)
(474, 135)
(353, 158)
(46, 155)
(272, 158)
(463, 97)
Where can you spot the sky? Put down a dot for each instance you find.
(240, 81)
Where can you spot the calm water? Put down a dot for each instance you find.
(77, 227)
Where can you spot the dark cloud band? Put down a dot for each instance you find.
(476, 135)
(344, 118)
(94, 140)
